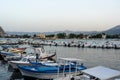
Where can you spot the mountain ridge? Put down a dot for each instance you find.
(111, 31)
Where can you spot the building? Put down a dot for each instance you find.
(103, 35)
(86, 36)
(42, 36)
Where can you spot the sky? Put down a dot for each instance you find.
(59, 15)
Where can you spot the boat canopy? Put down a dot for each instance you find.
(71, 59)
(101, 72)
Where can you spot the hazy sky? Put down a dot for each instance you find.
(59, 15)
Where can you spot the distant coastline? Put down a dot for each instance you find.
(111, 31)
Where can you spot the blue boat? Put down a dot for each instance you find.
(7, 56)
(7, 53)
(46, 71)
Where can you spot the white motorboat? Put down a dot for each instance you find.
(23, 61)
(40, 55)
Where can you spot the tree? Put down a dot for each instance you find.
(72, 35)
(61, 35)
(26, 36)
(97, 36)
(51, 35)
(79, 36)
(34, 35)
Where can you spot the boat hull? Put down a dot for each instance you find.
(43, 75)
(14, 65)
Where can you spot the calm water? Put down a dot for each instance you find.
(92, 57)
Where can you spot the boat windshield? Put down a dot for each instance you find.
(24, 59)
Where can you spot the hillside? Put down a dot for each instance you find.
(114, 30)
(2, 32)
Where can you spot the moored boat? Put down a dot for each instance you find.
(38, 56)
(98, 73)
(51, 72)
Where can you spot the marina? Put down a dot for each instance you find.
(92, 57)
(59, 40)
(80, 43)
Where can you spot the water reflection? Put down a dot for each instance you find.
(8, 73)
(16, 75)
(4, 73)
